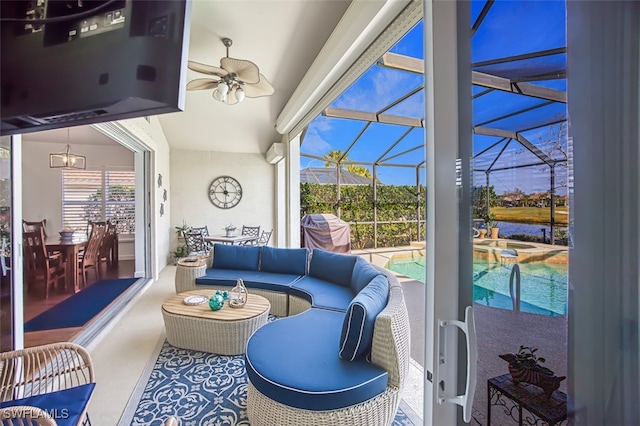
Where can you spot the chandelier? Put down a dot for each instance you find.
(66, 159)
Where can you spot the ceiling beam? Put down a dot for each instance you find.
(372, 117)
(506, 85)
(488, 131)
(522, 57)
(415, 65)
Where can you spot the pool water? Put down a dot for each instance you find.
(543, 287)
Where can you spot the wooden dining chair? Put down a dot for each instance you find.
(108, 241)
(250, 231)
(28, 226)
(91, 256)
(39, 264)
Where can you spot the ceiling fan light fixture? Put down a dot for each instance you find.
(223, 88)
(233, 81)
(239, 94)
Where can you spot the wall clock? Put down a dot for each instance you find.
(225, 192)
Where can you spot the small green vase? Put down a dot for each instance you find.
(216, 302)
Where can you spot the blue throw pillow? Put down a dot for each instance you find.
(357, 328)
(333, 267)
(236, 257)
(363, 272)
(284, 260)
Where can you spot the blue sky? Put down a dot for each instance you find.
(510, 28)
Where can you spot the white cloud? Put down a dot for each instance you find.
(314, 142)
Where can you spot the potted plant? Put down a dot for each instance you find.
(482, 231)
(180, 230)
(229, 230)
(180, 252)
(526, 366)
(493, 226)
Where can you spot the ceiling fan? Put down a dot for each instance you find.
(233, 80)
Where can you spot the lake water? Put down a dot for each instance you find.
(510, 228)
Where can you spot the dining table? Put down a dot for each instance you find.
(236, 239)
(70, 248)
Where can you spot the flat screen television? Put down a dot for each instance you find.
(70, 62)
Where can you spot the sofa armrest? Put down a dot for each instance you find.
(391, 336)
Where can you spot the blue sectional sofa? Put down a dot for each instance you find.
(341, 353)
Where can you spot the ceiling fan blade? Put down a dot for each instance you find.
(206, 69)
(202, 84)
(262, 88)
(246, 71)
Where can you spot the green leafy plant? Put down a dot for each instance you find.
(527, 358)
(491, 221)
(180, 251)
(180, 230)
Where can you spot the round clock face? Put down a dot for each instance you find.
(225, 192)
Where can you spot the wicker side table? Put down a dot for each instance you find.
(224, 332)
(187, 270)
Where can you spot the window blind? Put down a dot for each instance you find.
(99, 195)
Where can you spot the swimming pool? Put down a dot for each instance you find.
(543, 286)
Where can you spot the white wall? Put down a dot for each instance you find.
(150, 134)
(193, 171)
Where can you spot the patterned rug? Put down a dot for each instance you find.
(200, 389)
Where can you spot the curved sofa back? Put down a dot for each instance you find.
(391, 337)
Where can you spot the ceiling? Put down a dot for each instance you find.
(282, 37)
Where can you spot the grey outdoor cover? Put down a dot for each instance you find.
(327, 232)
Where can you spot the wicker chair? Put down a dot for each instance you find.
(390, 350)
(46, 376)
(26, 415)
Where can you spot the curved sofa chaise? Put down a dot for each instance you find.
(339, 356)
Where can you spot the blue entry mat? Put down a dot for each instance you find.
(78, 309)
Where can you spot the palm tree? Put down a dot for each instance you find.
(333, 156)
(359, 170)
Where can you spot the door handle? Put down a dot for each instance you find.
(465, 400)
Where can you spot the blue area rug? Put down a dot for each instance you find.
(78, 309)
(200, 389)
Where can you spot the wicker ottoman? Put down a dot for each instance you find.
(223, 332)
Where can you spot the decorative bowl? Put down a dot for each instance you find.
(66, 234)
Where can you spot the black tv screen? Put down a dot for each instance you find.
(67, 63)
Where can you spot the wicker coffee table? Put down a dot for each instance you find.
(224, 332)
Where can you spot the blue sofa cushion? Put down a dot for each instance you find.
(65, 406)
(284, 261)
(293, 361)
(363, 272)
(332, 267)
(236, 257)
(322, 294)
(357, 328)
(252, 279)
